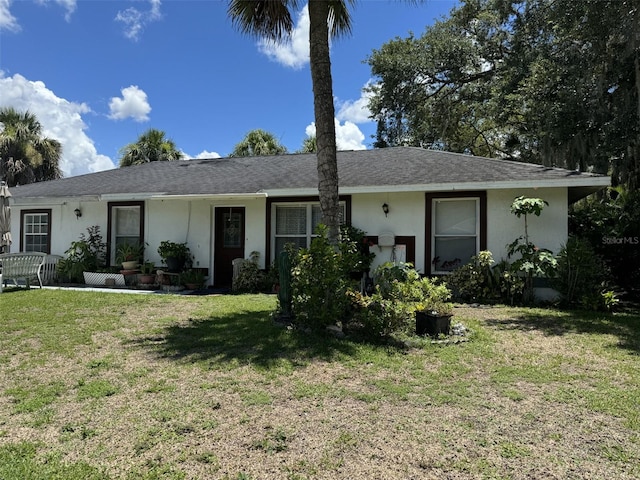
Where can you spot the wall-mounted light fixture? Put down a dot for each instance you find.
(78, 213)
(385, 209)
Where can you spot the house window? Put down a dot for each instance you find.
(36, 231)
(296, 223)
(125, 225)
(456, 229)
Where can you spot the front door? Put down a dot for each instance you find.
(229, 243)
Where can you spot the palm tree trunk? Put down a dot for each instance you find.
(324, 116)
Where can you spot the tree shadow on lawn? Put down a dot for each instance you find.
(245, 338)
(626, 326)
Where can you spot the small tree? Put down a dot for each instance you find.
(533, 261)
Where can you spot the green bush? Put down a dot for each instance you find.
(481, 281)
(580, 275)
(399, 291)
(611, 224)
(249, 278)
(319, 283)
(354, 247)
(85, 255)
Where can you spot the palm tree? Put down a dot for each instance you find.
(258, 142)
(273, 19)
(25, 156)
(152, 146)
(309, 145)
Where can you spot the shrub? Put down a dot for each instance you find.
(354, 247)
(481, 281)
(398, 292)
(611, 224)
(84, 255)
(249, 278)
(580, 275)
(319, 282)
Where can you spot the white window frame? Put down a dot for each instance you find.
(308, 235)
(27, 220)
(435, 235)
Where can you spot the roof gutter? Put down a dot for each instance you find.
(595, 182)
(211, 196)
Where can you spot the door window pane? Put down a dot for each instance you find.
(232, 237)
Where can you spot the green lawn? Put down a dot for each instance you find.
(114, 386)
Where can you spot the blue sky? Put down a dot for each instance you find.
(97, 74)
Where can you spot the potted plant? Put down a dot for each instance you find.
(147, 274)
(175, 255)
(129, 255)
(192, 279)
(434, 312)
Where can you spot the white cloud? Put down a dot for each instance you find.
(133, 104)
(203, 154)
(293, 52)
(348, 136)
(356, 111)
(60, 119)
(135, 20)
(68, 5)
(7, 20)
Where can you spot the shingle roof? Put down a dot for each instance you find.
(392, 168)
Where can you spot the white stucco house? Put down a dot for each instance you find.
(441, 208)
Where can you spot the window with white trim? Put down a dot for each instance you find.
(36, 232)
(296, 223)
(455, 232)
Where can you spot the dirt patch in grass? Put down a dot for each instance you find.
(515, 402)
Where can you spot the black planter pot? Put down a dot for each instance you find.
(432, 325)
(175, 264)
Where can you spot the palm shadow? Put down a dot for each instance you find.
(245, 338)
(625, 326)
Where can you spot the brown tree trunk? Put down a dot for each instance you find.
(320, 61)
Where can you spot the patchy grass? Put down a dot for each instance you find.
(112, 386)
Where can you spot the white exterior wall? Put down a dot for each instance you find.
(406, 218)
(180, 220)
(192, 221)
(65, 227)
(549, 230)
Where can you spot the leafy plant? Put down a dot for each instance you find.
(354, 247)
(129, 252)
(148, 268)
(580, 274)
(84, 255)
(611, 224)
(319, 283)
(249, 278)
(533, 261)
(168, 249)
(192, 277)
(399, 291)
(482, 281)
